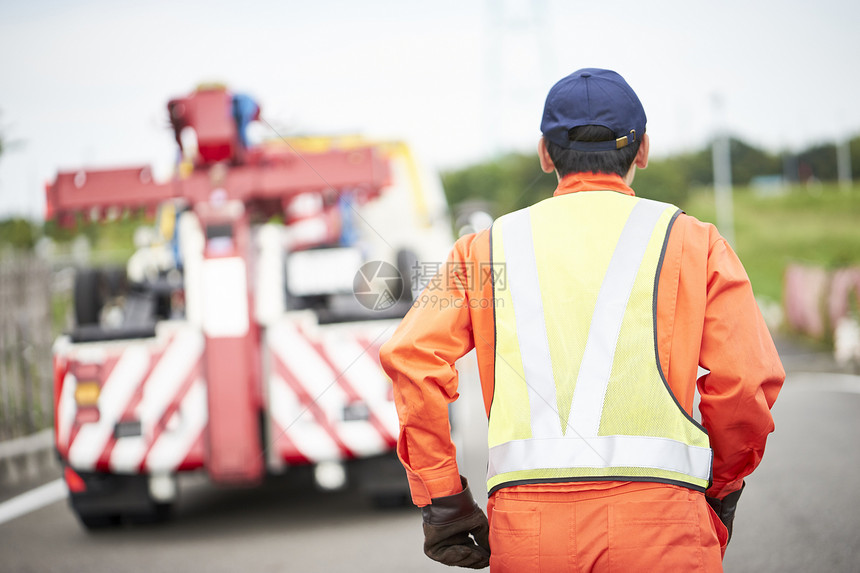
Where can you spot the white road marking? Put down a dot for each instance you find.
(32, 500)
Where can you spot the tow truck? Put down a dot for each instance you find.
(241, 339)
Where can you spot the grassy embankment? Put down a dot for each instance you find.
(817, 225)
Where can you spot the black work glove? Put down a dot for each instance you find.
(448, 522)
(725, 508)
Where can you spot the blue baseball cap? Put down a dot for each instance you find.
(592, 96)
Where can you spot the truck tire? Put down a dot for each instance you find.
(113, 282)
(382, 481)
(98, 521)
(110, 500)
(95, 521)
(407, 266)
(391, 500)
(156, 513)
(87, 297)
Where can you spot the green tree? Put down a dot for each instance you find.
(819, 162)
(508, 183)
(666, 180)
(515, 180)
(18, 233)
(749, 162)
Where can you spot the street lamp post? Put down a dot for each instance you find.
(721, 156)
(843, 163)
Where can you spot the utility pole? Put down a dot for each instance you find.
(518, 54)
(843, 164)
(721, 157)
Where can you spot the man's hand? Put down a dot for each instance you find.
(725, 508)
(448, 523)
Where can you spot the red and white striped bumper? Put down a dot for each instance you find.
(156, 383)
(328, 396)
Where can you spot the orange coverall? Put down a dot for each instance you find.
(706, 315)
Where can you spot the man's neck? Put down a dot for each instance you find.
(575, 182)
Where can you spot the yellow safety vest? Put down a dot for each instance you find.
(579, 391)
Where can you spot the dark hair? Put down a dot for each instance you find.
(571, 161)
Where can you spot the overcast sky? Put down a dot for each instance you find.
(85, 83)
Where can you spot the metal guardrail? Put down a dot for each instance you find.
(31, 444)
(27, 457)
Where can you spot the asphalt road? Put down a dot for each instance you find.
(800, 509)
(798, 513)
(277, 528)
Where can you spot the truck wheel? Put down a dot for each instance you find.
(109, 500)
(382, 480)
(98, 521)
(156, 513)
(391, 500)
(86, 296)
(407, 265)
(113, 282)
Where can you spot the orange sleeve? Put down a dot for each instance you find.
(746, 373)
(419, 358)
(707, 316)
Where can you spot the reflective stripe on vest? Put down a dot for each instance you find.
(579, 394)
